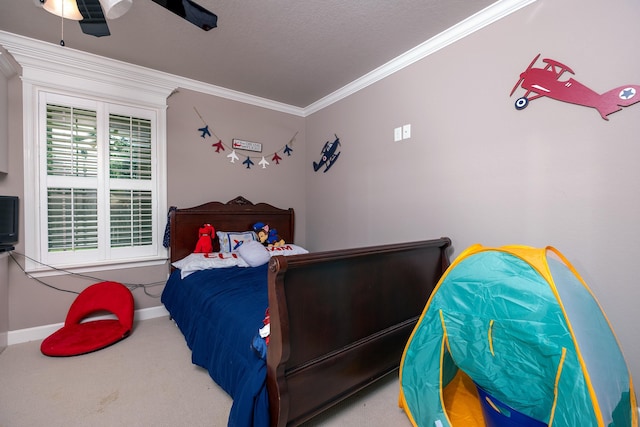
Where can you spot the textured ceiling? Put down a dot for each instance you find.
(294, 52)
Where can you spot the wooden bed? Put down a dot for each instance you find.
(339, 319)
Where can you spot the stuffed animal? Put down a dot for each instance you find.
(273, 239)
(262, 231)
(266, 235)
(205, 234)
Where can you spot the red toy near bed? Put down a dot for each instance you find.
(369, 300)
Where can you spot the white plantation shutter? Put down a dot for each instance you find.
(72, 170)
(131, 214)
(130, 156)
(99, 182)
(71, 142)
(129, 147)
(72, 217)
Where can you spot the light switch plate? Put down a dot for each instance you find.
(406, 131)
(397, 134)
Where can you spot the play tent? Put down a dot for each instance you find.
(513, 336)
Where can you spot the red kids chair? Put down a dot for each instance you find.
(78, 337)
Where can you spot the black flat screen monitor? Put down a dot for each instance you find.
(9, 210)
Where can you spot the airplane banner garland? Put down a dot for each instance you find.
(251, 146)
(541, 82)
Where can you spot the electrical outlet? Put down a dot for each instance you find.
(406, 131)
(397, 134)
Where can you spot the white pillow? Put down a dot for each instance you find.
(254, 253)
(196, 262)
(287, 249)
(230, 241)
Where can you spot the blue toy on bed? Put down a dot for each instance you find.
(266, 235)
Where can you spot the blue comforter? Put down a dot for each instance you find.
(219, 311)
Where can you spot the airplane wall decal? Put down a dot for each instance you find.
(233, 156)
(329, 155)
(219, 146)
(205, 131)
(546, 82)
(248, 162)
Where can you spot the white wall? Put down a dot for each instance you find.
(475, 169)
(198, 174)
(478, 171)
(4, 118)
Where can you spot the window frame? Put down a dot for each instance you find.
(102, 183)
(92, 79)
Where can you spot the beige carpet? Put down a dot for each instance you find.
(146, 380)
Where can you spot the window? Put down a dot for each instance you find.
(98, 182)
(94, 159)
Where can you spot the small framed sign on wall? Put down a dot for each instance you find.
(239, 144)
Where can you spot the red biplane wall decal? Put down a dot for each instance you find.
(539, 82)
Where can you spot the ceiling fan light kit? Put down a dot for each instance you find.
(93, 14)
(114, 9)
(67, 9)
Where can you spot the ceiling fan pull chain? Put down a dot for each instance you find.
(62, 26)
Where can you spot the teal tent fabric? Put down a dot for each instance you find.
(526, 329)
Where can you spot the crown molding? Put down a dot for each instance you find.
(47, 63)
(481, 19)
(222, 92)
(7, 67)
(42, 62)
(40, 59)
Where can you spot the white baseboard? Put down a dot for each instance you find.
(41, 332)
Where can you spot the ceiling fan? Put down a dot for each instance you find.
(94, 13)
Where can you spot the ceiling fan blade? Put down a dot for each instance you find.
(192, 12)
(94, 22)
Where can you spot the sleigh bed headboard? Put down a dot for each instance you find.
(238, 214)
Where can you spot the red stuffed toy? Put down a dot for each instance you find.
(204, 244)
